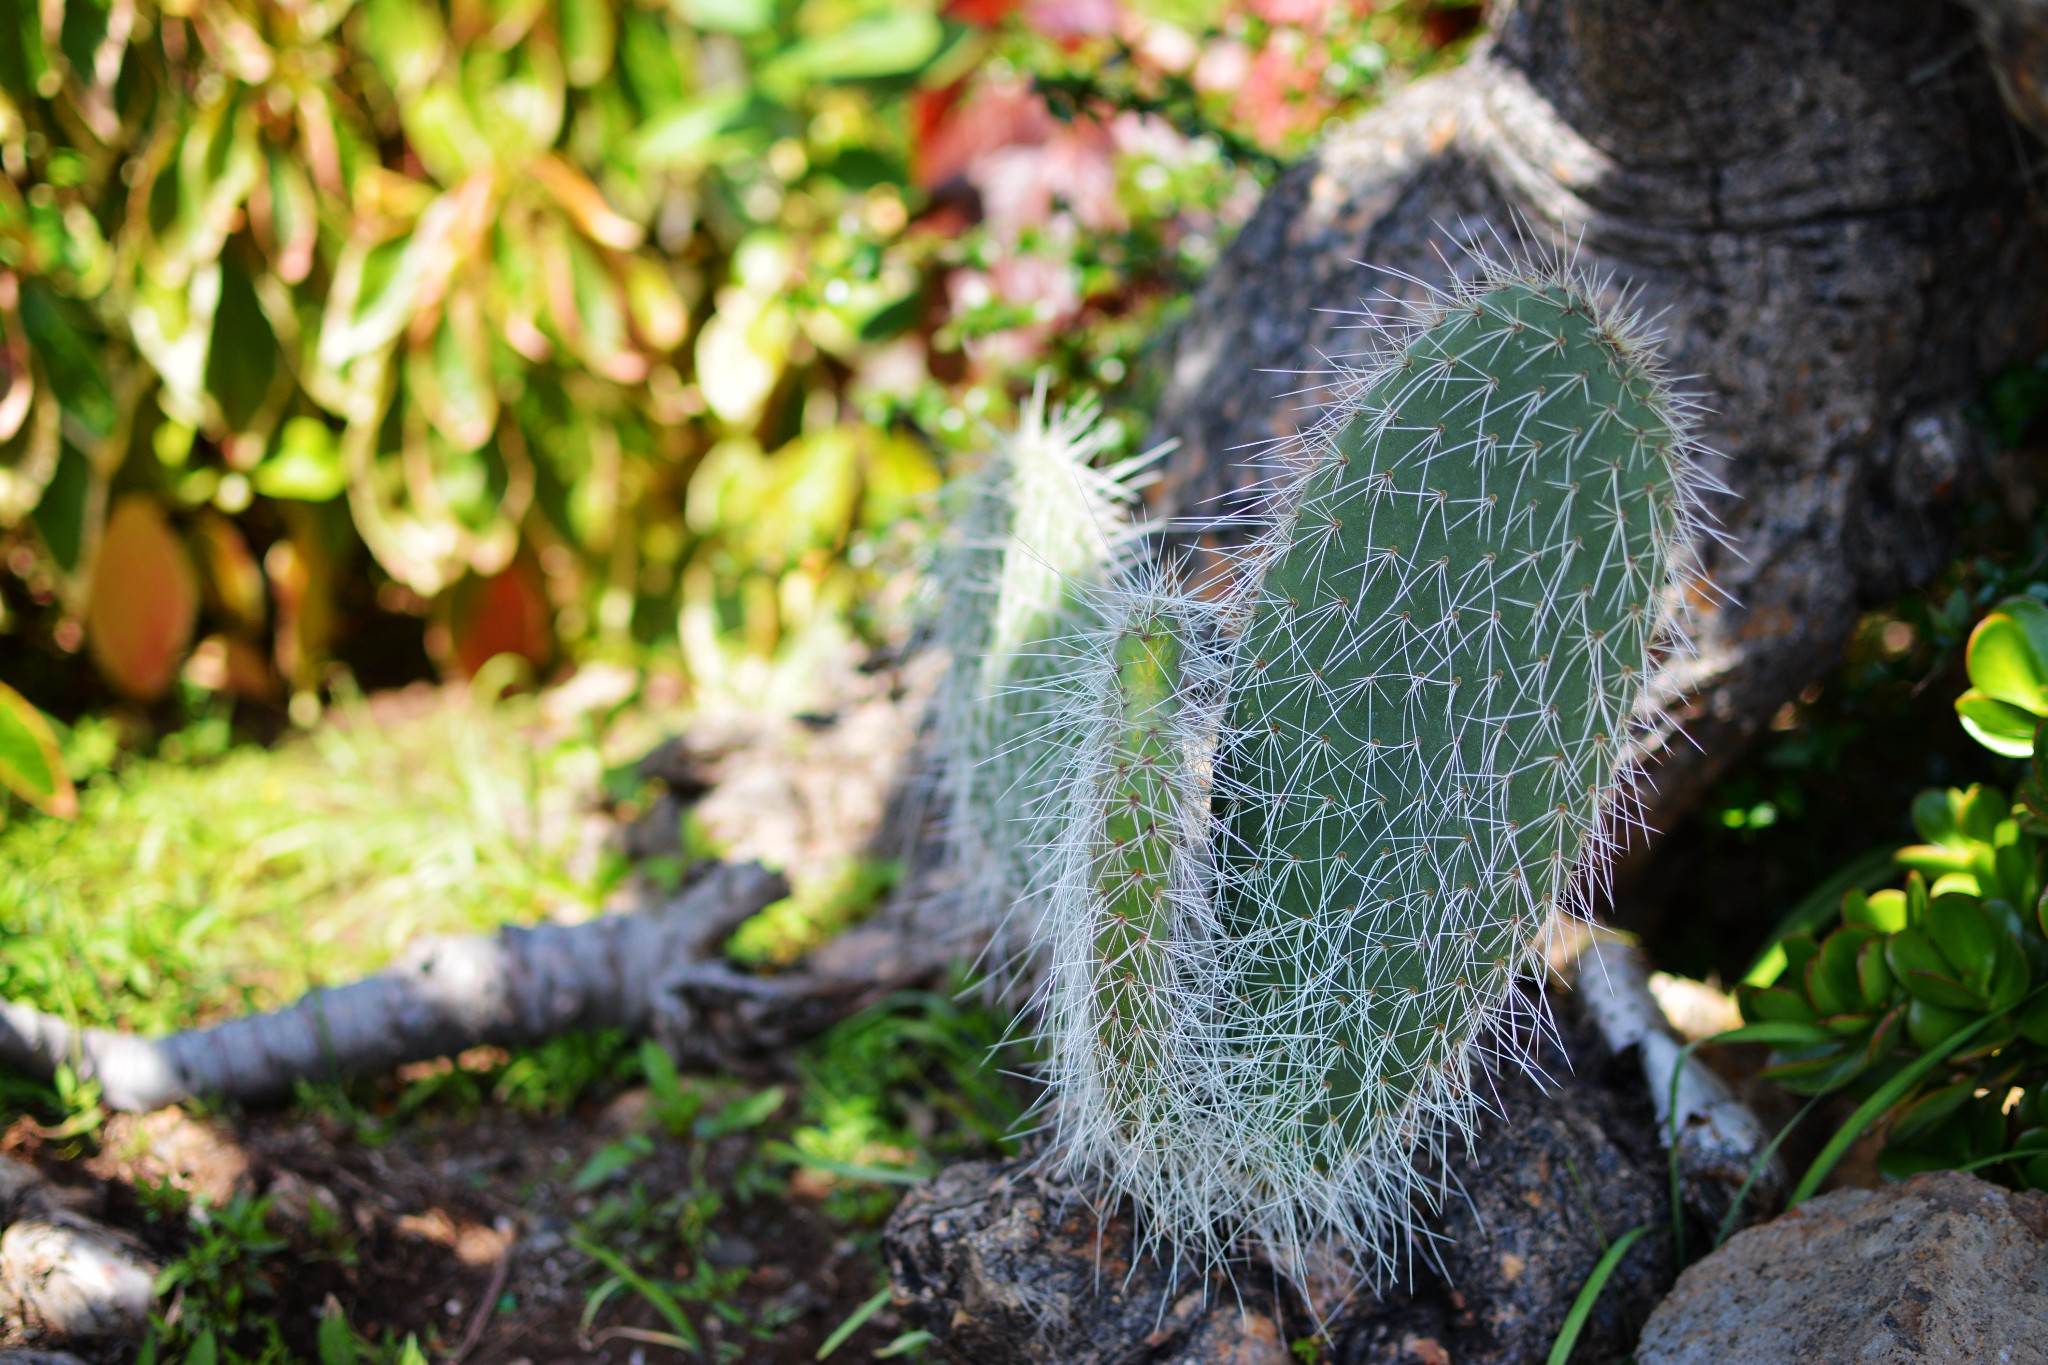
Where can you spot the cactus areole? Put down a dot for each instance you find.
(1432, 676)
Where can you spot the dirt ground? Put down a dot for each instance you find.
(459, 1231)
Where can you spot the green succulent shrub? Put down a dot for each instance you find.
(525, 300)
(1319, 824)
(1946, 976)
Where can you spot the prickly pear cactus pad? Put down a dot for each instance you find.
(1427, 749)
(1129, 914)
(1435, 667)
(1034, 532)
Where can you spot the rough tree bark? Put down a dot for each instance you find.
(1822, 200)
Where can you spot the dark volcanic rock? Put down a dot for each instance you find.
(1008, 1267)
(1945, 1267)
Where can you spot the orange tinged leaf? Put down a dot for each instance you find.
(145, 600)
(231, 579)
(585, 204)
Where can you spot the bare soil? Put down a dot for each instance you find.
(458, 1230)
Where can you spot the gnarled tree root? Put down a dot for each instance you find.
(516, 986)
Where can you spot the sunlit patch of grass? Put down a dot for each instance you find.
(912, 1081)
(186, 890)
(817, 909)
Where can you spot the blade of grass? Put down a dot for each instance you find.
(1756, 1168)
(905, 1344)
(596, 1300)
(1768, 1032)
(664, 1302)
(880, 1175)
(853, 1323)
(1981, 1162)
(643, 1334)
(1589, 1294)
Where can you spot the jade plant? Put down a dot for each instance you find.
(1316, 824)
(2007, 658)
(1942, 983)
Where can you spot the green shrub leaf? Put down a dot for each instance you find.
(31, 765)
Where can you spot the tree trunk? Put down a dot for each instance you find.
(1823, 201)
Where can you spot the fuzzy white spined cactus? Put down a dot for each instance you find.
(1124, 1006)
(1034, 531)
(1436, 665)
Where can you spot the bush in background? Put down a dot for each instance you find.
(404, 332)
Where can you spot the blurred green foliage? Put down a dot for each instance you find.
(571, 326)
(211, 880)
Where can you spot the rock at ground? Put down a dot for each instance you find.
(20, 1183)
(1946, 1267)
(1007, 1266)
(64, 1280)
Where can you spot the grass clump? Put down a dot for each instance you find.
(189, 890)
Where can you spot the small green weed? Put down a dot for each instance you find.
(220, 1298)
(818, 909)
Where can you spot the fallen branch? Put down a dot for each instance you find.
(515, 986)
(1722, 1148)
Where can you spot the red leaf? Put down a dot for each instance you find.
(145, 600)
(507, 613)
(985, 13)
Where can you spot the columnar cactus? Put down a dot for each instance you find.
(1297, 901)
(1130, 919)
(1034, 532)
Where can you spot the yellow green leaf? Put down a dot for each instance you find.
(890, 44)
(728, 16)
(449, 372)
(589, 34)
(689, 134)
(659, 313)
(305, 467)
(405, 38)
(31, 765)
(444, 134)
(2003, 665)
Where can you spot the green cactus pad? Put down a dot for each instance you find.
(1142, 802)
(1428, 741)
